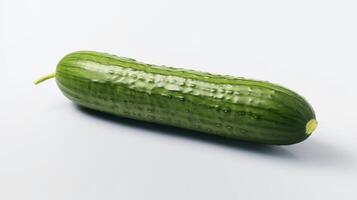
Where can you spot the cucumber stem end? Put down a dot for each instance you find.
(43, 78)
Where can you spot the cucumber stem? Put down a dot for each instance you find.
(43, 78)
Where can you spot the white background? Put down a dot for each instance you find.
(51, 149)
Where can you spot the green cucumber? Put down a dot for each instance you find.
(227, 106)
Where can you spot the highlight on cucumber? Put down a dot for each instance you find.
(227, 106)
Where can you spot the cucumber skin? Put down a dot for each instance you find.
(227, 106)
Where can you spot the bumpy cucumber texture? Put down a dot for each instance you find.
(227, 106)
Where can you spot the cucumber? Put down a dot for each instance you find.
(227, 106)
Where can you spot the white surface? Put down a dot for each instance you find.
(49, 149)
